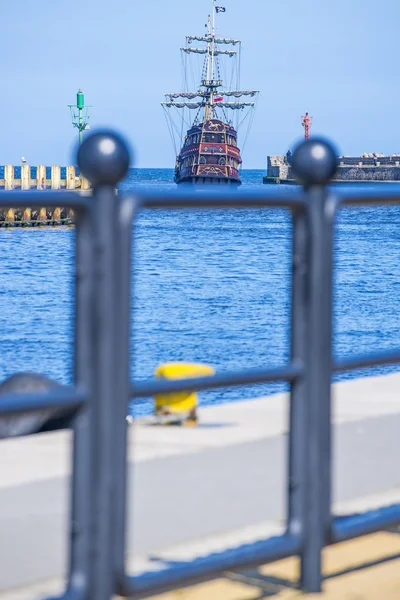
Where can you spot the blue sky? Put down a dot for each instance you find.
(336, 59)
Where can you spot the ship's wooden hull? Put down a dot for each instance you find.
(209, 155)
(198, 179)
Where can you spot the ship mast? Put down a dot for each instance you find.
(212, 57)
(211, 62)
(208, 98)
(208, 47)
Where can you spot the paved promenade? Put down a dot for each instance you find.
(197, 490)
(364, 569)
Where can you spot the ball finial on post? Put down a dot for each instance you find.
(314, 162)
(104, 158)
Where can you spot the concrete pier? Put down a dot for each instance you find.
(70, 180)
(193, 490)
(26, 182)
(8, 177)
(361, 169)
(55, 178)
(25, 177)
(26, 217)
(41, 177)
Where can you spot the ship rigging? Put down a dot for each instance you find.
(209, 151)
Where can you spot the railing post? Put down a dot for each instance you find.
(104, 159)
(314, 162)
(297, 468)
(80, 512)
(126, 215)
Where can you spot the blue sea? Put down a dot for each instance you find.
(210, 286)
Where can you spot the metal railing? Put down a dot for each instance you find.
(103, 389)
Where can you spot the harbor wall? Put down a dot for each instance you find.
(367, 173)
(31, 217)
(25, 177)
(42, 178)
(385, 168)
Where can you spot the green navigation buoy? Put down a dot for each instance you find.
(80, 114)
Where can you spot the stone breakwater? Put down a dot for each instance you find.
(351, 169)
(41, 178)
(30, 217)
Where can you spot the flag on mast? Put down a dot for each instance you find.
(220, 9)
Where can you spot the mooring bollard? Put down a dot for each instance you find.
(28, 423)
(179, 408)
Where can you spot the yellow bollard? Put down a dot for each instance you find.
(179, 408)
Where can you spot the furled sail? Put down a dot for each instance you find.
(238, 93)
(226, 52)
(191, 105)
(195, 50)
(202, 94)
(203, 38)
(189, 95)
(235, 105)
(205, 51)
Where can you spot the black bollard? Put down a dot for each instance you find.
(38, 422)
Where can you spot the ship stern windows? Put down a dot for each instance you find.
(216, 138)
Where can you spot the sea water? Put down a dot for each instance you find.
(209, 285)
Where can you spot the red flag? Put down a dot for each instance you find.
(218, 98)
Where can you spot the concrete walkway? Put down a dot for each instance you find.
(196, 489)
(363, 569)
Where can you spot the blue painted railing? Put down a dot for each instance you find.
(96, 407)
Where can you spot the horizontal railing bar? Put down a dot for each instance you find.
(200, 569)
(367, 360)
(369, 198)
(351, 526)
(15, 404)
(38, 199)
(219, 199)
(143, 389)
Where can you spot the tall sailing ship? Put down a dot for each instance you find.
(209, 152)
